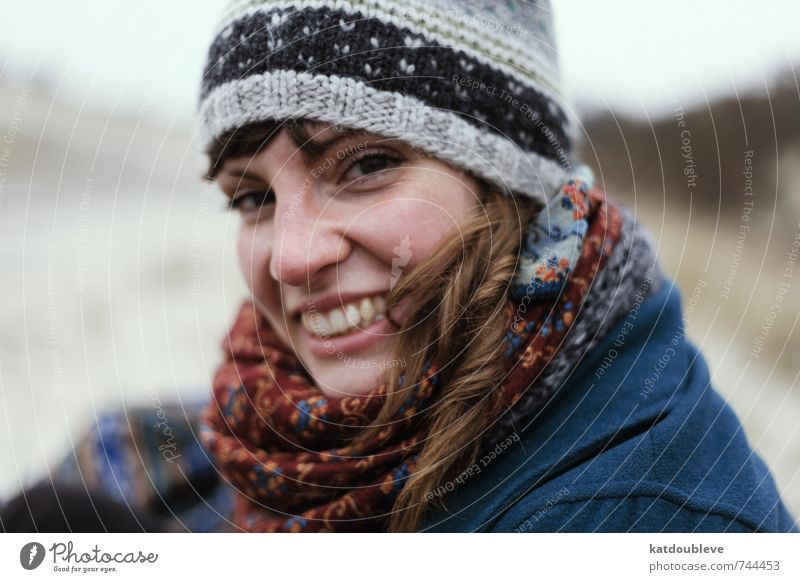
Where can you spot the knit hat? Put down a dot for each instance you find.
(472, 82)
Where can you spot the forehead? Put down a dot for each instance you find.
(314, 126)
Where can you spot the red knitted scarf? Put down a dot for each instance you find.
(285, 447)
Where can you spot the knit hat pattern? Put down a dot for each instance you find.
(472, 82)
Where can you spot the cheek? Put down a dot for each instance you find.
(253, 251)
(412, 229)
(244, 252)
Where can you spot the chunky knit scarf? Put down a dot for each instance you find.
(285, 447)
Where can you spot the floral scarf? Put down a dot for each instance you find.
(285, 447)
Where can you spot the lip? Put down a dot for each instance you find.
(328, 302)
(357, 340)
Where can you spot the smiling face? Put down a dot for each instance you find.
(326, 232)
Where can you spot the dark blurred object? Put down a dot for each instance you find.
(63, 508)
(144, 470)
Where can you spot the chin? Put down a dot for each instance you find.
(338, 379)
(353, 373)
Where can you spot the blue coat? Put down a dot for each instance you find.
(628, 444)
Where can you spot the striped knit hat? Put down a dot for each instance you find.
(472, 82)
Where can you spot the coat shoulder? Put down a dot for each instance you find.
(636, 440)
(621, 493)
(639, 513)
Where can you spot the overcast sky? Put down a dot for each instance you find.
(629, 54)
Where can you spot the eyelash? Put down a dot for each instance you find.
(234, 203)
(268, 196)
(367, 155)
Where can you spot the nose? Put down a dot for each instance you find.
(307, 240)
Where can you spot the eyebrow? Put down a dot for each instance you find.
(243, 174)
(312, 150)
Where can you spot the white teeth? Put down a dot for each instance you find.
(367, 309)
(337, 321)
(317, 323)
(353, 315)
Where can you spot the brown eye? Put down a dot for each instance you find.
(369, 164)
(251, 201)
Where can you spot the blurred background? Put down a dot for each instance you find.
(118, 271)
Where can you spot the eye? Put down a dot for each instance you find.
(367, 166)
(251, 201)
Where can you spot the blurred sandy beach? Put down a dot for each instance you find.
(118, 269)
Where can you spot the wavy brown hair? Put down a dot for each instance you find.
(458, 319)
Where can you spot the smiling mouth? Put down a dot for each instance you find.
(342, 320)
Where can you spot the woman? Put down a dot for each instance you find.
(425, 175)
(451, 328)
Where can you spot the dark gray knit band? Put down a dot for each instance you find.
(474, 83)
